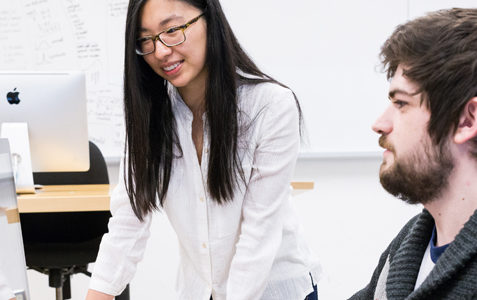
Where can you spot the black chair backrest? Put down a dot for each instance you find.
(97, 173)
(39, 227)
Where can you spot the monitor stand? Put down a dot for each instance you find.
(17, 135)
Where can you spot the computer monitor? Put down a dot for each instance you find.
(53, 105)
(13, 276)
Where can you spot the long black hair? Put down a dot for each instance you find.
(151, 135)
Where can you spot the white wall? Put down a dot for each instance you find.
(348, 220)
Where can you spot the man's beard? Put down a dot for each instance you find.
(419, 177)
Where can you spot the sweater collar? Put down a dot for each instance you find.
(455, 258)
(405, 264)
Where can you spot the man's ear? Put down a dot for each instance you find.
(467, 128)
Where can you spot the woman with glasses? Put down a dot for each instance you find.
(212, 141)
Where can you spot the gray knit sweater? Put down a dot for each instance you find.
(453, 277)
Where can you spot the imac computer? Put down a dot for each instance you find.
(43, 114)
(13, 275)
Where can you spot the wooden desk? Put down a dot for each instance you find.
(302, 185)
(90, 197)
(66, 198)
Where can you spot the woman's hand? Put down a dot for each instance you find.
(95, 295)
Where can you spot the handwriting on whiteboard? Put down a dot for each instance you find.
(85, 35)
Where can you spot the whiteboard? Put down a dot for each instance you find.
(332, 66)
(326, 51)
(420, 7)
(85, 35)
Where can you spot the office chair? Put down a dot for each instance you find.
(63, 244)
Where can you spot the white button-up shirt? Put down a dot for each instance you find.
(249, 248)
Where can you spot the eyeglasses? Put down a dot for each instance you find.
(170, 37)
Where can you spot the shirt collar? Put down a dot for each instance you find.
(179, 108)
(436, 252)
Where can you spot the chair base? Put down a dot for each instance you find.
(60, 280)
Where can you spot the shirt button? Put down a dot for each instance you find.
(206, 150)
(201, 199)
(204, 245)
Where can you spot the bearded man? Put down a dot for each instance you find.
(429, 133)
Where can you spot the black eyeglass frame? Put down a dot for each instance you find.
(157, 37)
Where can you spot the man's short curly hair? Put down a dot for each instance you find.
(439, 53)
